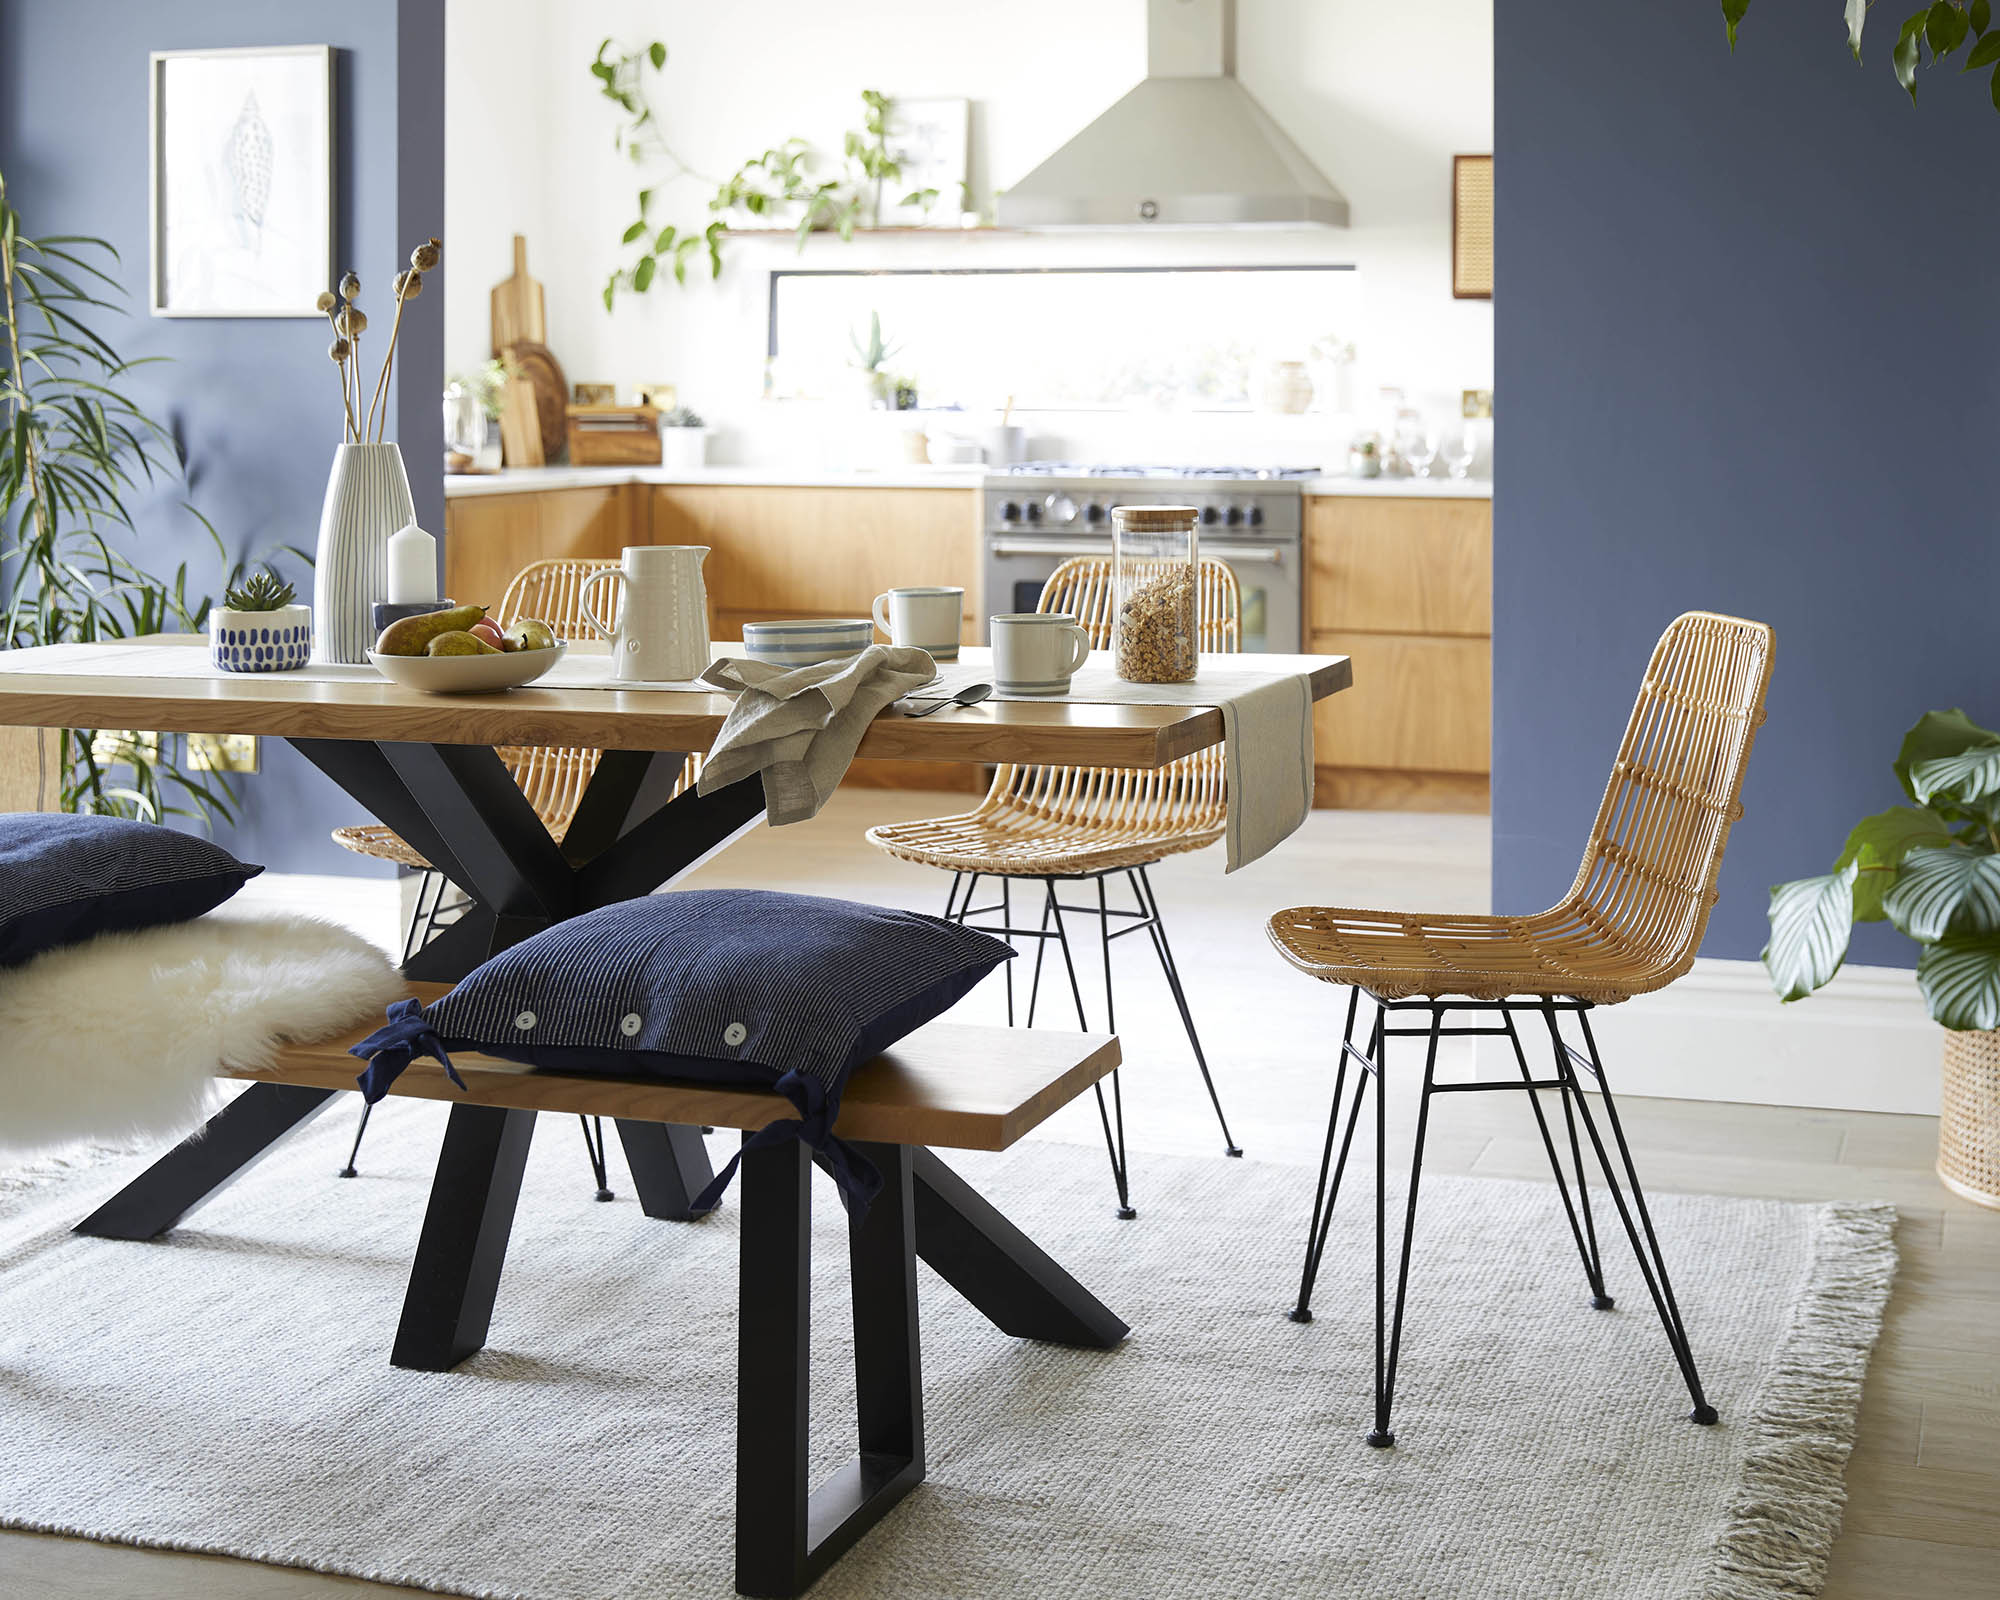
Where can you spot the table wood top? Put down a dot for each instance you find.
(948, 1085)
(66, 686)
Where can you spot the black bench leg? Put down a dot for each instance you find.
(669, 1165)
(236, 1138)
(786, 1533)
(1005, 1274)
(449, 1304)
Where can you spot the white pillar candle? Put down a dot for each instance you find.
(412, 567)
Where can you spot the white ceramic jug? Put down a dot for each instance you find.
(662, 632)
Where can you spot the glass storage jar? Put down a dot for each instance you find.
(1155, 567)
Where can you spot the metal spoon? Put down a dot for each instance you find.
(970, 695)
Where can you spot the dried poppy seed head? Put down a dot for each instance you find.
(426, 256)
(351, 321)
(339, 350)
(409, 285)
(326, 301)
(350, 286)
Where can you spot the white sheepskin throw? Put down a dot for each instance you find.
(120, 1037)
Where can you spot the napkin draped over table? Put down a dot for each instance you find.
(800, 726)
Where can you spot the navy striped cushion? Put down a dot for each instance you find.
(64, 879)
(743, 986)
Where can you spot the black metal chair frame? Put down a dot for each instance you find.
(1143, 918)
(1371, 1063)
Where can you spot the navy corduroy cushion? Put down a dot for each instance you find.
(64, 879)
(741, 986)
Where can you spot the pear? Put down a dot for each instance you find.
(460, 643)
(531, 634)
(411, 636)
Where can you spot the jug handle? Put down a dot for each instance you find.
(604, 630)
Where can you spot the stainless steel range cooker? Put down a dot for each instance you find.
(1039, 514)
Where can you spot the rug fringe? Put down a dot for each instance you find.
(1787, 1508)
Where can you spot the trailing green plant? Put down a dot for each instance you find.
(1944, 26)
(1931, 868)
(74, 449)
(792, 179)
(263, 591)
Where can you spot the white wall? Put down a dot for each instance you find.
(1380, 93)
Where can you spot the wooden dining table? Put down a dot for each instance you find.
(426, 766)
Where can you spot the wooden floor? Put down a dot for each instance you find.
(1923, 1520)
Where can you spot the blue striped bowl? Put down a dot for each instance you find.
(806, 642)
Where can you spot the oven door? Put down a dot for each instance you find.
(1266, 571)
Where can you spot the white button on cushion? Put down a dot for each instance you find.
(735, 1033)
(630, 1023)
(525, 1020)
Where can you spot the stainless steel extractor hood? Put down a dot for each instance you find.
(1189, 146)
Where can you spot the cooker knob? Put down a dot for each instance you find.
(1234, 516)
(1034, 511)
(1208, 515)
(1062, 509)
(1256, 516)
(1010, 512)
(1093, 512)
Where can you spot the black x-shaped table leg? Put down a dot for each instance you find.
(459, 807)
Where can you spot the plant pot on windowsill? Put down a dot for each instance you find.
(1933, 870)
(258, 629)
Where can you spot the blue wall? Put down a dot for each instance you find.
(1749, 361)
(254, 401)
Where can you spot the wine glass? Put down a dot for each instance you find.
(1456, 450)
(1416, 443)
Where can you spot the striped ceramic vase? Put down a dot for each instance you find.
(367, 499)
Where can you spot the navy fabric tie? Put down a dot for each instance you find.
(393, 1046)
(857, 1178)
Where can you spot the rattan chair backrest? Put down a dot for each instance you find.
(553, 777)
(1649, 871)
(1188, 795)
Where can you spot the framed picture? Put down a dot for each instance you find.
(931, 140)
(1472, 227)
(595, 394)
(242, 181)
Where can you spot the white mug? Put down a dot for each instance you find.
(926, 618)
(1036, 652)
(662, 632)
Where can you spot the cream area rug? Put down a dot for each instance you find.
(229, 1390)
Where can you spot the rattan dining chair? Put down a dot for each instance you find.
(1630, 923)
(1086, 825)
(553, 777)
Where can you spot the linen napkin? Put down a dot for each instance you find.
(799, 726)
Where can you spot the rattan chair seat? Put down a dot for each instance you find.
(384, 844)
(1634, 918)
(1064, 821)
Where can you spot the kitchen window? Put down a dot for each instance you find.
(1062, 339)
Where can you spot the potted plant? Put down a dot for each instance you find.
(1933, 869)
(257, 628)
(683, 438)
(871, 361)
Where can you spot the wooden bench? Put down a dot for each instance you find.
(948, 1085)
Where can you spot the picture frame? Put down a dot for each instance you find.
(594, 394)
(1472, 227)
(241, 166)
(931, 139)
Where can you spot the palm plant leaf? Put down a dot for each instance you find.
(1937, 891)
(1811, 922)
(1960, 977)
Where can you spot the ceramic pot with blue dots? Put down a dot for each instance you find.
(260, 641)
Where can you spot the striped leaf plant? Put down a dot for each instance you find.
(1932, 868)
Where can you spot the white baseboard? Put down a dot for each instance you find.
(1863, 1043)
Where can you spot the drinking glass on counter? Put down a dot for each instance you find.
(1456, 451)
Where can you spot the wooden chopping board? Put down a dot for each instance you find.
(517, 305)
(536, 367)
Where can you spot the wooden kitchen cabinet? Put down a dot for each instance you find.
(1404, 586)
(785, 551)
(490, 537)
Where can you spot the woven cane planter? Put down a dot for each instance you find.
(1969, 1129)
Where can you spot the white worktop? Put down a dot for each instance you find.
(523, 480)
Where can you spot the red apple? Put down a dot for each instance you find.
(487, 631)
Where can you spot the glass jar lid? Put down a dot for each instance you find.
(1161, 517)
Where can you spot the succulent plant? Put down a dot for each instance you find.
(682, 417)
(262, 591)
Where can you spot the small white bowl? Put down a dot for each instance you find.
(808, 641)
(467, 674)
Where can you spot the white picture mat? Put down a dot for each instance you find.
(241, 182)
